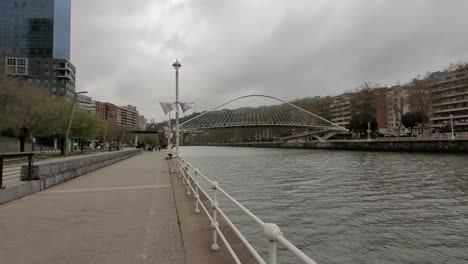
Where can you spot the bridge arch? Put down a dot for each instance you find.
(290, 116)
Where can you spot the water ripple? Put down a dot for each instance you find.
(345, 206)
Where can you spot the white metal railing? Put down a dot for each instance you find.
(191, 177)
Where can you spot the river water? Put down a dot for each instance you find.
(346, 206)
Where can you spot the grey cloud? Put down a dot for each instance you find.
(124, 50)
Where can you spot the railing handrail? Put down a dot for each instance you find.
(271, 231)
(10, 169)
(16, 154)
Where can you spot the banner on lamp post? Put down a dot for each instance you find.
(167, 107)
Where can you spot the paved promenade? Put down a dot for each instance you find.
(124, 213)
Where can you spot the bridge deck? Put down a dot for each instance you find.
(124, 213)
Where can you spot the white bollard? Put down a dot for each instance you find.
(272, 231)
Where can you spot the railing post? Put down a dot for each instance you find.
(1, 173)
(197, 210)
(30, 166)
(186, 172)
(180, 167)
(214, 223)
(272, 231)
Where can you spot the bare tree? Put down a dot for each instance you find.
(399, 102)
(420, 101)
(28, 111)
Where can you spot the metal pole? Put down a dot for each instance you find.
(177, 111)
(105, 133)
(188, 180)
(169, 133)
(197, 196)
(272, 231)
(1, 173)
(30, 166)
(451, 124)
(71, 120)
(69, 124)
(215, 224)
(272, 252)
(177, 66)
(368, 131)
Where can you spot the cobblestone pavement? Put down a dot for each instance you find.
(124, 213)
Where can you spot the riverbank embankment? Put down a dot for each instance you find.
(450, 146)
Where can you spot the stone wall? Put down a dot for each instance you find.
(452, 146)
(56, 171)
(46, 174)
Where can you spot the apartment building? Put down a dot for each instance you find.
(397, 104)
(107, 112)
(86, 103)
(449, 99)
(127, 116)
(340, 109)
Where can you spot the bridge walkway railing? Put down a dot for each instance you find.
(192, 177)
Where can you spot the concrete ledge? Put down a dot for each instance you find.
(19, 191)
(46, 174)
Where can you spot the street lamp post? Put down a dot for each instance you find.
(177, 66)
(368, 131)
(451, 125)
(70, 122)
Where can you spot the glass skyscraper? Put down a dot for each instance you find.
(35, 37)
(35, 28)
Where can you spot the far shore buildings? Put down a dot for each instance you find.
(86, 103)
(340, 109)
(125, 116)
(107, 112)
(449, 99)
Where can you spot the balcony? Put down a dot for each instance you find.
(451, 102)
(449, 110)
(448, 117)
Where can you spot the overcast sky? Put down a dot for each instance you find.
(123, 50)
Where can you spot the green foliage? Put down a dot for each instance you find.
(61, 116)
(411, 119)
(360, 122)
(25, 110)
(363, 111)
(86, 125)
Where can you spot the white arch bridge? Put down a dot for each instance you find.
(284, 121)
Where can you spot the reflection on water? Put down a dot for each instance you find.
(345, 206)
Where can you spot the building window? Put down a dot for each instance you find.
(21, 70)
(11, 61)
(11, 70)
(21, 62)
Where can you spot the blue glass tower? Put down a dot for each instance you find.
(35, 37)
(35, 28)
(62, 25)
